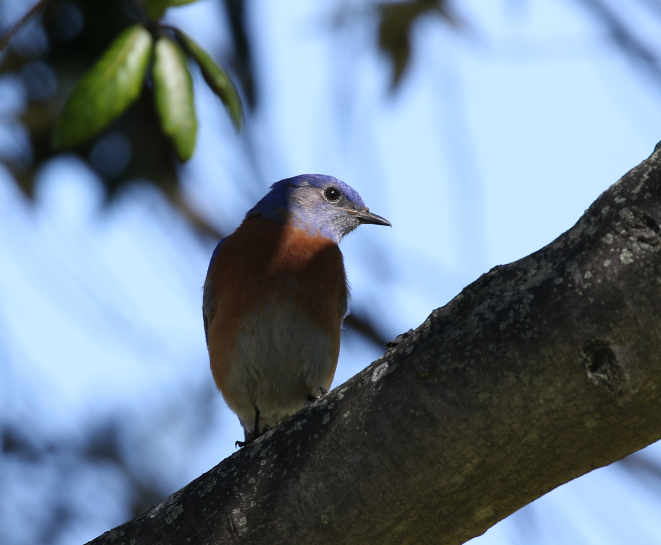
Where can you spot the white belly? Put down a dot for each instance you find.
(280, 360)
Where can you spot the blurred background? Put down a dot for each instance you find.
(481, 130)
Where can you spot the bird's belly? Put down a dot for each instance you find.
(279, 358)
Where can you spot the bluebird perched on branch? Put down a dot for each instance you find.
(275, 296)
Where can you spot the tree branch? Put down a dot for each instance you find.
(538, 372)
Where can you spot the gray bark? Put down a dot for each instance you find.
(537, 373)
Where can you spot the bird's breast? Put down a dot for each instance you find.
(266, 273)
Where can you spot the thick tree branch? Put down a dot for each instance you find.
(538, 372)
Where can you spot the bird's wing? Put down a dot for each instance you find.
(209, 294)
(345, 302)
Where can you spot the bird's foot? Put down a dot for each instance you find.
(311, 399)
(251, 436)
(248, 437)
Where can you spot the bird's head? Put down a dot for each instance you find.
(318, 204)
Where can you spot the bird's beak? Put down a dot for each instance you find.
(365, 216)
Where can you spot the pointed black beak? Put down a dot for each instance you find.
(365, 216)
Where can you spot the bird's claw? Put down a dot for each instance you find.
(251, 436)
(322, 392)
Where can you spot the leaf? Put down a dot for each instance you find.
(216, 78)
(173, 91)
(107, 89)
(156, 8)
(396, 24)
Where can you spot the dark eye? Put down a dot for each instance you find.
(332, 194)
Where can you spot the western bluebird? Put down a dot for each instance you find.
(275, 296)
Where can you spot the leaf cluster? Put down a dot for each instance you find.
(49, 59)
(116, 80)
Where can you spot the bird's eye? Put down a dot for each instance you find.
(332, 194)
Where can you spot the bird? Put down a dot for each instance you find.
(275, 296)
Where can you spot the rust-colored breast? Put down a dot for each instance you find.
(264, 262)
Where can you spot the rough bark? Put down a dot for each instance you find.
(538, 372)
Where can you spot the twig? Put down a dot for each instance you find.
(16, 26)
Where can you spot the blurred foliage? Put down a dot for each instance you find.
(173, 92)
(396, 23)
(215, 77)
(107, 89)
(79, 42)
(71, 36)
(73, 469)
(54, 51)
(61, 47)
(116, 80)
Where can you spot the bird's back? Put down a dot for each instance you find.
(274, 300)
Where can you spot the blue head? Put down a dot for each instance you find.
(316, 203)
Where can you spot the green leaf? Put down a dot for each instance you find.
(173, 91)
(110, 86)
(216, 78)
(156, 8)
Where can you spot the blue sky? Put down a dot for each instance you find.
(500, 136)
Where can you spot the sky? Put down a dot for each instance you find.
(502, 133)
